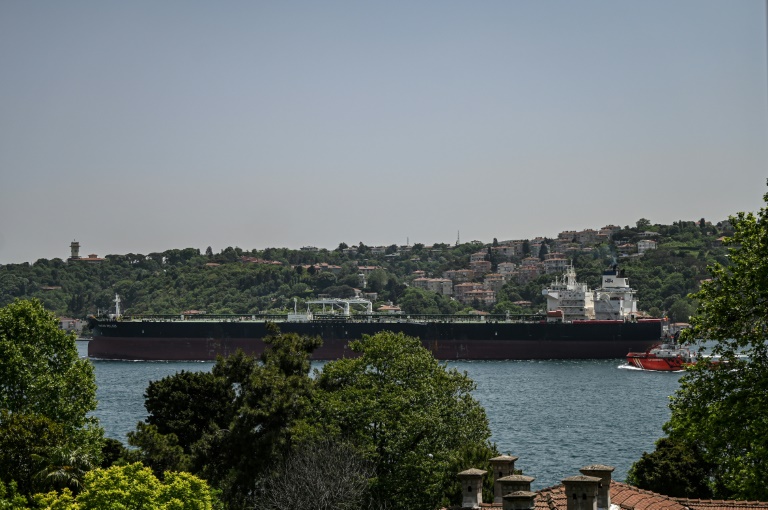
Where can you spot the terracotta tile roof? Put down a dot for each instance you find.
(632, 498)
(551, 498)
(628, 497)
(622, 495)
(714, 504)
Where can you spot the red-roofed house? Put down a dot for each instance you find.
(592, 489)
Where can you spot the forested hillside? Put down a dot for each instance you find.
(257, 281)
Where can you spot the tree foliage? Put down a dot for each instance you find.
(189, 403)
(234, 425)
(247, 282)
(134, 486)
(691, 472)
(47, 439)
(393, 418)
(10, 499)
(273, 398)
(721, 411)
(412, 418)
(40, 371)
(24, 438)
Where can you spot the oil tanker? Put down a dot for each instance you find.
(579, 324)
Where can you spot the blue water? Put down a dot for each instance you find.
(556, 416)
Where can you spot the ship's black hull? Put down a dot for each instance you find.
(204, 340)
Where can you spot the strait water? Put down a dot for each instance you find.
(556, 416)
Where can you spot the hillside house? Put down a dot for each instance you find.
(443, 286)
(481, 266)
(459, 275)
(646, 244)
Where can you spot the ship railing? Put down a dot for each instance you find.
(421, 318)
(360, 317)
(206, 317)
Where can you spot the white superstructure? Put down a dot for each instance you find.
(569, 300)
(615, 300)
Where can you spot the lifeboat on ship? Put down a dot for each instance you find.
(663, 358)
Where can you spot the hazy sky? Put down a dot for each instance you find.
(139, 126)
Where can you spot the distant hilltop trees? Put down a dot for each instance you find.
(664, 263)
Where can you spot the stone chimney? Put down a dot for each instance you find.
(514, 483)
(519, 500)
(501, 466)
(604, 487)
(471, 487)
(581, 492)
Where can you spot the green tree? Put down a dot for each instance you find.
(410, 416)
(274, 397)
(377, 280)
(681, 310)
(40, 368)
(111, 452)
(134, 487)
(642, 224)
(10, 499)
(724, 411)
(24, 438)
(189, 403)
(691, 471)
(234, 425)
(543, 251)
(63, 467)
(160, 452)
(45, 397)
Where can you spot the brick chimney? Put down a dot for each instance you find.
(514, 483)
(604, 487)
(519, 500)
(472, 487)
(501, 466)
(581, 492)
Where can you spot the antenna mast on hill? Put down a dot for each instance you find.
(458, 237)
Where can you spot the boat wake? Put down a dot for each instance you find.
(638, 369)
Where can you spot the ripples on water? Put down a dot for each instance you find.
(557, 416)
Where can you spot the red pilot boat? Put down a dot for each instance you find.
(663, 358)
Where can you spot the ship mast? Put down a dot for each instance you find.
(117, 307)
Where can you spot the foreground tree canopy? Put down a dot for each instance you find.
(39, 367)
(134, 487)
(721, 412)
(47, 440)
(231, 426)
(392, 423)
(413, 418)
